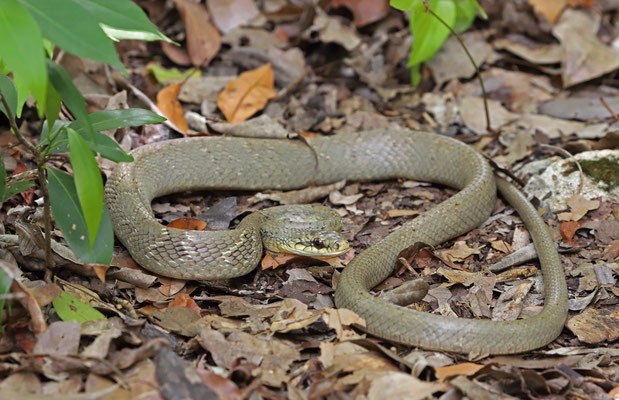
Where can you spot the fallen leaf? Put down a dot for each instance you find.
(568, 229)
(169, 286)
(184, 300)
(550, 9)
(247, 94)
(460, 251)
(579, 206)
(398, 385)
(203, 39)
(188, 224)
(230, 14)
(585, 57)
(170, 106)
(364, 11)
(596, 325)
(401, 213)
(466, 368)
(100, 270)
(225, 388)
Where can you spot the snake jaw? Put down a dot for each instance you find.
(311, 244)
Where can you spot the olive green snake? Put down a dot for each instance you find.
(232, 163)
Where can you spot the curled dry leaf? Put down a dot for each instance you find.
(170, 106)
(203, 39)
(188, 223)
(247, 94)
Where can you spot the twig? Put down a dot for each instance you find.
(39, 159)
(481, 81)
(610, 110)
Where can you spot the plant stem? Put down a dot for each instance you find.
(481, 81)
(39, 159)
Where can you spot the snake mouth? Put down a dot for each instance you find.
(318, 247)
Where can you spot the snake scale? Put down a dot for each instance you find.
(232, 163)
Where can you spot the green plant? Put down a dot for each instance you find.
(30, 30)
(431, 22)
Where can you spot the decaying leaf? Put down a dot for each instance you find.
(247, 94)
(203, 39)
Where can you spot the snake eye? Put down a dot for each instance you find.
(317, 243)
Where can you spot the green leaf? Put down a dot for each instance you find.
(121, 34)
(5, 286)
(165, 74)
(88, 182)
(22, 52)
(70, 95)
(15, 188)
(2, 180)
(73, 28)
(70, 308)
(103, 121)
(53, 104)
(123, 15)
(107, 120)
(70, 219)
(465, 15)
(404, 5)
(7, 87)
(428, 32)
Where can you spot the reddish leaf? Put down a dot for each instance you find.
(569, 228)
(170, 106)
(188, 224)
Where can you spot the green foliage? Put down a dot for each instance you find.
(72, 222)
(70, 308)
(21, 51)
(88, 182)
(7, 88)
(5, 286)
(429, 33)
(29, 32)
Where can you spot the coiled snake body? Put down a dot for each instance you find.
(258, 164)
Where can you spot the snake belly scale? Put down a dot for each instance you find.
(232, 163)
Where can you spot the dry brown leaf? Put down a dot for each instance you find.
(550, 9)
(579, 206)
(466, 368)
(568, 229)
(100, 270)
(401, 213)
(398, 385)
(169, 286)
(188, 224)
(364, 11)
(460, 251)
(203, 39)
(170, 106)
(247, 94)
(596, 325)
(177, 54)
(225, 388)
(184, 300)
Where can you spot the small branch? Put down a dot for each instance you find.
(610, 110)
(39, 159)
(481, 81)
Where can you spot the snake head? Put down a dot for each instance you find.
(310, 244)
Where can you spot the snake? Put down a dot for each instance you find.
(254, 164)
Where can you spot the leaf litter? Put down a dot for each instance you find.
(275, 333)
